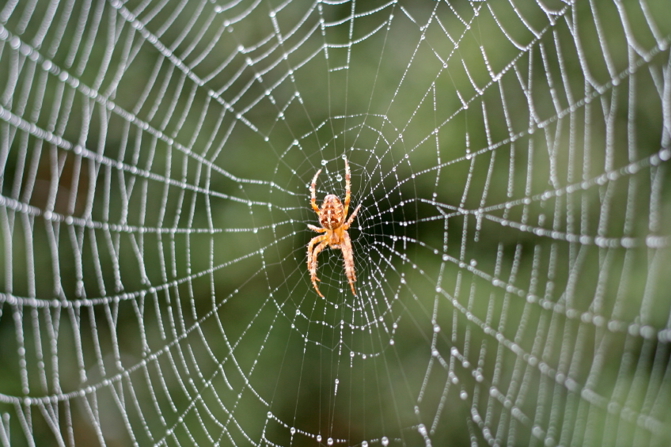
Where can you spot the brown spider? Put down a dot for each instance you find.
(332, 217)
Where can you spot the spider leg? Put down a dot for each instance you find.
(348, 186)
(348, 257)
(313, 194)
(312, 258)
(351, 218)
(317, 229)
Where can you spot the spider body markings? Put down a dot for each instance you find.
(334, 224)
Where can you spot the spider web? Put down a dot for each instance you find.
(512, 248)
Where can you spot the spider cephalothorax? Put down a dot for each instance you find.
(334, 222)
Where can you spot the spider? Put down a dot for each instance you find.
(332, 217)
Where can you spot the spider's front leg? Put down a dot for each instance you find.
(348, 257)
(313, 252)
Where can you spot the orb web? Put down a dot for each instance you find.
(511, 160)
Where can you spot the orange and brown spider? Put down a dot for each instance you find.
(332, 217)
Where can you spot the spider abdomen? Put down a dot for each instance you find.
(332, 212)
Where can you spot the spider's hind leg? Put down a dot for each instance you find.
(313, 193)
(348, 186)
(352, 216)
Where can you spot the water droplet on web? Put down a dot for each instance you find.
(339, 177)
(324, 162)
